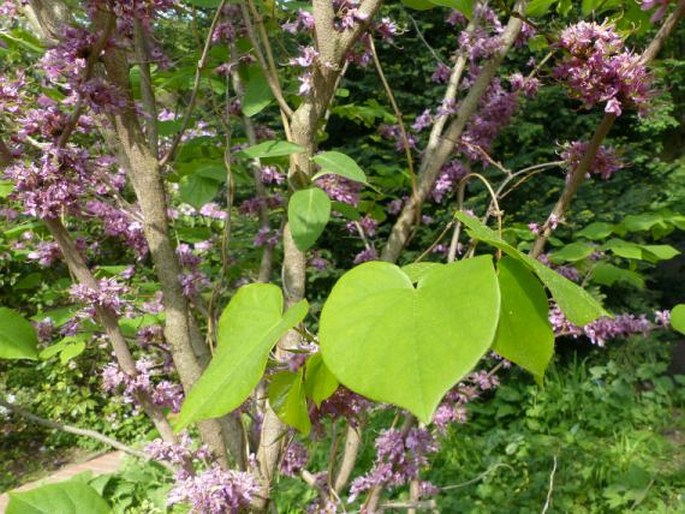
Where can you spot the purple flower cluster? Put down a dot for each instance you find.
(108, 294)
(177, 454)
(295, 458)
(46, 253)
(661, 5)
(605, 163)
(54, 184)
(343, 404)
(399, 459)
(215, 491)
(340, 189)
(304, 22)
(452, 409)
(129, 11)
(119, 223)
(163, 393)
(601, 330)
(597, 69)
(450, 175)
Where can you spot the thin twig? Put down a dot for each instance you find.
(201, 64)
(550, 490)
(270, 73)
(92, 434)
(398, 115)
(432, 50)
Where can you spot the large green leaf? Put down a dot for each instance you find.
(248, 329)
(319, 382)
(271, 149)
(70, 497)
(576, 303)
(678, 318)
(657, 253)
(572, 252)
(596, 230)
(524, 335)
(308, 213)
(624, 249)
(607, 275)
(391, 342)
(338, 164)
(288, 401)
(17, 337)
(197, 191)
(257, 92)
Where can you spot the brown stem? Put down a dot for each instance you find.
(201, 65)
(434, 160)
(147, 93)
(574, 182)
(578, 174)
(109, 320)
(350, 452)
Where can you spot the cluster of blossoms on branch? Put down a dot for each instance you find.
(598, 69)
(604, 329)
(146, 382)
(200, 482)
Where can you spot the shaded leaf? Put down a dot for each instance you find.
(287, 399)
(248, 329)
(308, 213)
(17, 337)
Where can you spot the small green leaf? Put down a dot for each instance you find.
(624, 249)
(248, 329)
(524, 335)
(607, 275)
(70, 497)
(576, 303)
(17, 337)
(392, 342)
(573, 252)
(319, 382)
(640, 222)
(197, 191)
(338, 164)
(539, 7)
(678, 318)
(257, 92)
(72, 351)
(596, 230)
(288, 401)
(660, 252)
(308, 213)
(271, 149)
(346, 210)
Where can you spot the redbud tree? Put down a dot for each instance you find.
(175, 160)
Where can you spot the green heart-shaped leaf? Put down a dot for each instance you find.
(17, 338)
(287, 399)
(248, 329)
(308, 213)
(391, 342)
(524, 335)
